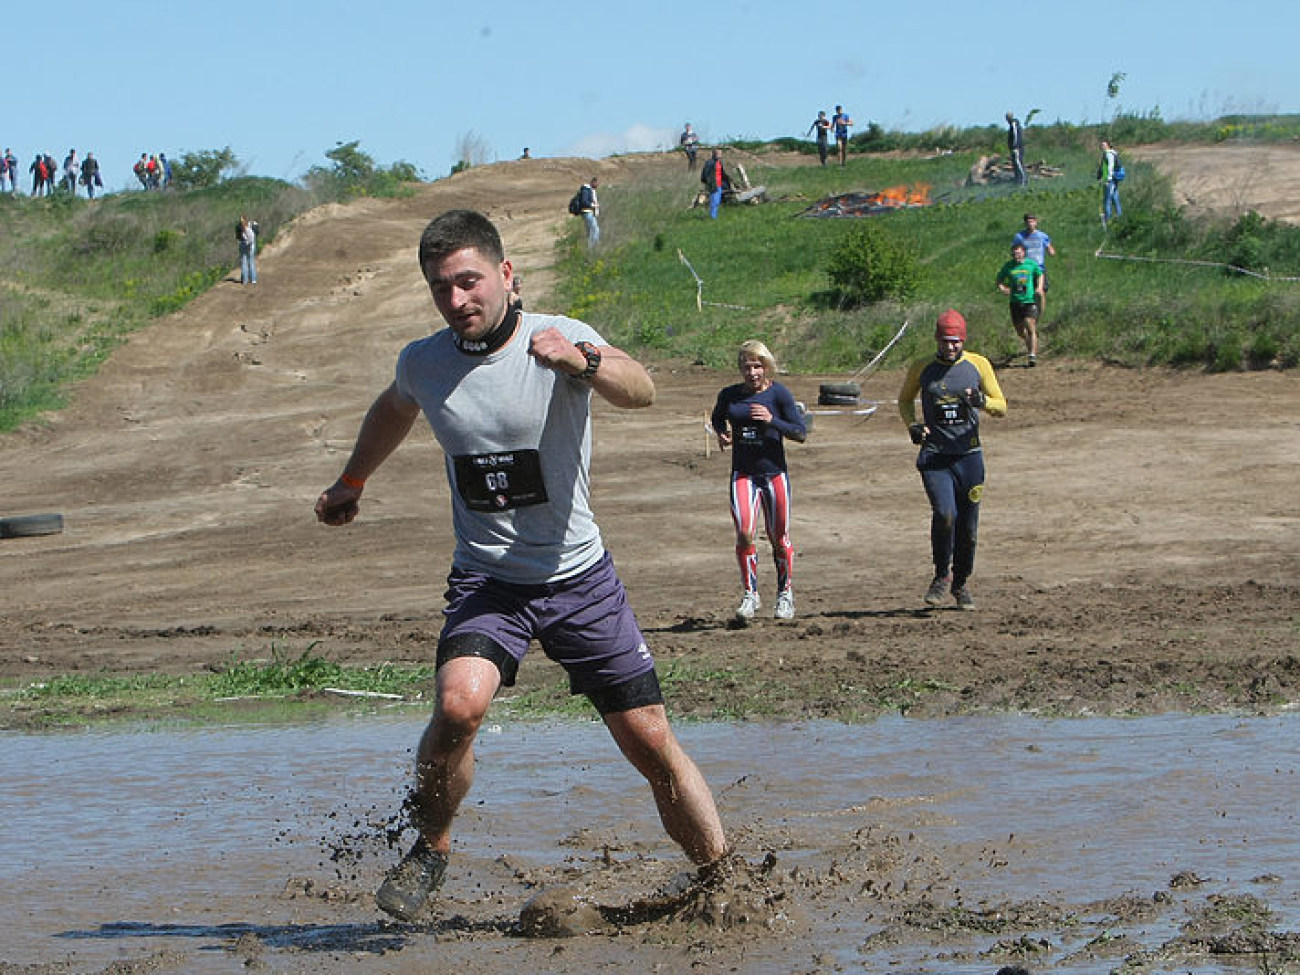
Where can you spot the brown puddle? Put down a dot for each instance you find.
(956, 846)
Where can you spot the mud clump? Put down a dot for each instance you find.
(561, 912)
(727, 894)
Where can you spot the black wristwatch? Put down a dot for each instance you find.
(593, 359)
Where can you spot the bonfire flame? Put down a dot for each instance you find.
(917, 195)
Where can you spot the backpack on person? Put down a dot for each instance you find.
(575, 204)
(1118, 173)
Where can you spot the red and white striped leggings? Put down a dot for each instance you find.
(773, 492)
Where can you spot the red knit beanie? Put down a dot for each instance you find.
(950, 324)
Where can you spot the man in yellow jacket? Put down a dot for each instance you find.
(954, 386)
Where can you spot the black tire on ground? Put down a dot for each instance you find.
(841, 389)
(835, 399)
(29, 526)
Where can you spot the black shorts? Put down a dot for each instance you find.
(1020, 312)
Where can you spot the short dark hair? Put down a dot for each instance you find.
(456, 230)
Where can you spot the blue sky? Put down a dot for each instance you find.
(282, 82)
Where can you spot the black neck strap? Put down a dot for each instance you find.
(494, 339)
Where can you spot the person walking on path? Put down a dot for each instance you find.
(716, 182)
(246, 236)
(71, 172)
(1110, 173)
(753, 417)
(690, 144)
(39, 175)
(1021, 280)
(842, 123)
(821, 125)
(1016, 147)
(589, 208)
(90, 177)
(954, 386)
(508, 396)
(1038, 245)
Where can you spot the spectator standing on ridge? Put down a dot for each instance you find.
(1110, 172)
(690, 144)
(1037, 247)
(37, 169)
(153, 176)
(7, 180)
(589, 210)
(822, 126)
(52, 178)
(165, 169)
(141, 170)
(508, 395)
(842, 123)
(752, 418)
(90, 177)
(246, 236)
(716, 181)
(954, 386)
(1016, 147)
(1022, 281)
(71, 170)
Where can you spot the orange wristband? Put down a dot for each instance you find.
(356, 483)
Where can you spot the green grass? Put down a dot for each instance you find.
(75, 699)
(764, 270)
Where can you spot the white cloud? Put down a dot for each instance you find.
(636, 138)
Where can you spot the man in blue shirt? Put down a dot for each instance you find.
(842, 123)
(1036, 243)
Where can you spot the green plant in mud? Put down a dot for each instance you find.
(76, 698)
(311, 672)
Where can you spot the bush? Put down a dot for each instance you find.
(873, 264)
(205, 168)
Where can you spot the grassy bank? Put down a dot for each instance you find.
(84, 275)
(764, 269)
(280, 687)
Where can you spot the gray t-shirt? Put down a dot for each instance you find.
(516, 437)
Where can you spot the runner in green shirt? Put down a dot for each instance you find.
(1022, 280)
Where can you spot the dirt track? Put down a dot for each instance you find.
(1138, 554)
(1138, 546)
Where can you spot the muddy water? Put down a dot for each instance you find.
(215, 850)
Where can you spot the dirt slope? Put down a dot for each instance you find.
(1138, 547)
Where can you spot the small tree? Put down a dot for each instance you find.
(471, 150)
(204, 168)
(352, 167)
(873, 264)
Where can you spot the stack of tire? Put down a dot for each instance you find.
(839, 394)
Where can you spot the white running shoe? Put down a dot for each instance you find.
(785, 605)
(749, 605)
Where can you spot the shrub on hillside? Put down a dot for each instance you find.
(874, 264)
(207, 167)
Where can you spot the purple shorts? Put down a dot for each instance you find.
(584, 623)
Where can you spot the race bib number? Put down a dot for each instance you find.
(499, 482)
(749, 435)
(951, 411)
